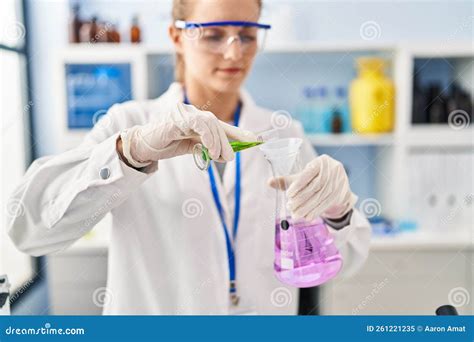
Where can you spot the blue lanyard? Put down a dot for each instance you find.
(215, 194)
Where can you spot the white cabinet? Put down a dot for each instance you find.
(77, 281)
(77, 276)
(405, 281)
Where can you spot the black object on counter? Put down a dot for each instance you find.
(309, 301)
(446, 310)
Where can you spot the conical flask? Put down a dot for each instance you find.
(305, 254)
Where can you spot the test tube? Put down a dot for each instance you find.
(202, 158)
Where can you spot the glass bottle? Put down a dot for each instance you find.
(93, 30)
(336, 121)
(113, 35)
(341, 104)
(135, 31)
(201, 156)
(75, 25)
(304, 110)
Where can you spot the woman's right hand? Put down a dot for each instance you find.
(175, 133)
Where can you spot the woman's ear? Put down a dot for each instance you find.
(175, 36)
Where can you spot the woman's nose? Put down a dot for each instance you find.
(233, 49)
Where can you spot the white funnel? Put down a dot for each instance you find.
(282, 154)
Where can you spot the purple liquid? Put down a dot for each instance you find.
(305, 254)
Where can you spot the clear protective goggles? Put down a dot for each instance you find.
(216, 37)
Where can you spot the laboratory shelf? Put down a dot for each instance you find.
(418, 50)
(351, 139)
(310, 46)
(463, 240)
(293, 47)
(439, 135)
(433, 50)
(418, 136)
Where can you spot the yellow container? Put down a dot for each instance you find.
(372, 98)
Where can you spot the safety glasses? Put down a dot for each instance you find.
(216, 37)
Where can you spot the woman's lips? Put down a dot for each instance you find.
(230, 70)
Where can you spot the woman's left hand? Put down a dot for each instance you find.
(321, 189)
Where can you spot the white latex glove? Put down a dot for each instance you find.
(175, 133)
(321, 189)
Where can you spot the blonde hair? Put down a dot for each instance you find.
(181, 10)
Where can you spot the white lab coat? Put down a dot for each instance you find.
(167, 252)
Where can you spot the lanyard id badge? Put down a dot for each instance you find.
(233, 296)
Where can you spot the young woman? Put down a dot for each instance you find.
(171, 252)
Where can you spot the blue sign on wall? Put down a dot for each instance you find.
(93, 88)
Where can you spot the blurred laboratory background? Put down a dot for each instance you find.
(386, 87)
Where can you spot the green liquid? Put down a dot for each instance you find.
(241, 145)
(236, 147)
